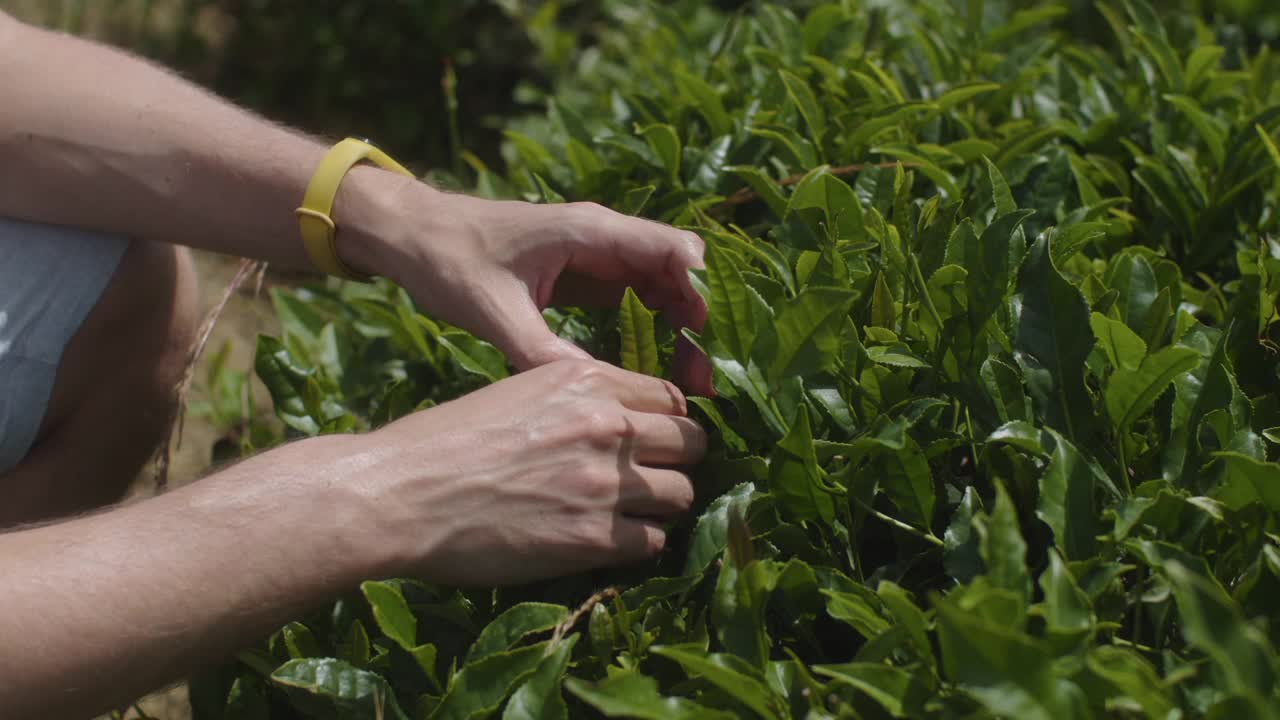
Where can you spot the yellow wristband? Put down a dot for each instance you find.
(315, 220)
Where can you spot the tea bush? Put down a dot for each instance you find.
(993, 316)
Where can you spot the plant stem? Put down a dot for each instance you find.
(973, 444)
(927, 537)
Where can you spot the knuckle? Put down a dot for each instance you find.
(586, 207)
(576, 377)
(587, 212)
(603, 429)
(597, 483)
(586, 375)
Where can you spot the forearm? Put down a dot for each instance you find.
(92, 137)
(101, 609)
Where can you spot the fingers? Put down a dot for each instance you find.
(635, 540)
(656, 493)
(610, 245)
(643, 393)
(624, 250)
(576, 289)
(617, 251)
(633, 391)
(666, 440)
(516, 326)
(661, 257)
(692, 369)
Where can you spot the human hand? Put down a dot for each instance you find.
(490, 267)
(564, 468)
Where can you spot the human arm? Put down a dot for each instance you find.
(557, 470)
(93, 137)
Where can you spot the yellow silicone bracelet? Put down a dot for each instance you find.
(315, 219)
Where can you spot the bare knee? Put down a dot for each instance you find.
(131, 350)
(115, 391)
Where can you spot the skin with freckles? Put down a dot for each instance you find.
(572, 464)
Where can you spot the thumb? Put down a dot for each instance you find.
(516, 326)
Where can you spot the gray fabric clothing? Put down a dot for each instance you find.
(50, 278)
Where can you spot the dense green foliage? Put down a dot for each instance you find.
(993, 312)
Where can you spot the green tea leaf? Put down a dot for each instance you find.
(795, 478)
(730, 313)
(738, 605)
(834, 199)
(1212, 623)
(909, 484)
(860, 610)
(1001, 196)
(711, 533)
(665, 143)
(1067, 614)
(332, 687)
(1213, 136)
(706, 100)
(728, 673)
(962, 93)
(991, 261)
(474, 356)
(892, 688)
(628, 694)
(391, 612)
(286, 381)
(1003, 550)
(635, 325)
(1131, 393)
(808, 331)
(1054, 331)
(1132, 676)
(764, 186)
(1008, 672)
(1124, 349)
(908, 616)
(481, 686)
(1067, 499)
(515, 623)
(1247, 480)
(802, 95)
(539, 697)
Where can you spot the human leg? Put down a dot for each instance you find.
(113, 390)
